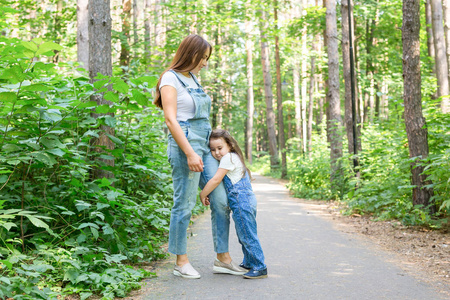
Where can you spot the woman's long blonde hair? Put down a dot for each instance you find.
(188, 56)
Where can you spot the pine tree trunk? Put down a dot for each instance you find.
(135, 27)
(125, 36)
(304, 80)
(270, 115)
(347, 78)
(430, 39)
(311, 93)
(334, 111)
(83, 33)
(281, 138)
(415, 122)
(147, 33)
(446, 15)
(100, 62)
(298, 106)
(250, 99)
(441, 56)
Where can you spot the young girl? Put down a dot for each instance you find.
(241, 199)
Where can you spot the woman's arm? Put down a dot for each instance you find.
(169, 102)
(212, 184)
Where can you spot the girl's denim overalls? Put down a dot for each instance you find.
(186, 182)
(242, 202)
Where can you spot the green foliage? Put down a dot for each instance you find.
(61, 232)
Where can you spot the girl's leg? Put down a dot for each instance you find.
(244, 216)
(220, 212)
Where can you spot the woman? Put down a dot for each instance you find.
(186, 111)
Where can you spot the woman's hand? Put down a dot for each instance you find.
(195, 162)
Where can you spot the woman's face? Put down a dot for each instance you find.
(219, 148)
(203, 62)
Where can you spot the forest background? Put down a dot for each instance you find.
(84, 178)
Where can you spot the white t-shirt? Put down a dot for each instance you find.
(233, 164)
(185, 103)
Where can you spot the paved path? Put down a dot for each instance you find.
(306, 259)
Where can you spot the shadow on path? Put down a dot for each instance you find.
(306, 259)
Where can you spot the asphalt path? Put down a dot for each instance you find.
(306, 257)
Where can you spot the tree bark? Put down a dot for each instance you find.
(298, 105)
(125, 36)
(430, 39)
(100, 62)
(270, 115)
(281, 138)
(334, 115)
(250, 98)
(83, 34)
(304, 80)
(311, 93)
(348, 116)
(414, 120)
(446, 15)
(441, 57)
(135, 28)
(147, 32)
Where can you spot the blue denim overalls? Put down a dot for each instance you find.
(242, 202)
(186, 182)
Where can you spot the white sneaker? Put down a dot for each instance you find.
(186, 271)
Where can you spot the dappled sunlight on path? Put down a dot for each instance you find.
(306, 259)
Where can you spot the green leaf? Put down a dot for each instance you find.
(151, 80)
(48, 46)
(71, 275)
(111, 96)
(120, 85)
(37, 222)
(7, 225)
(110, 121)
(88, 104)
(102, 109)
(115, 140)
(94, 232)
(57, 152)
(102, 205)
(11, 148)
(100, 83)
(5, 280)
(44, 158)
(139, 97)
(36, 88)
(30, 46)
(8, 97)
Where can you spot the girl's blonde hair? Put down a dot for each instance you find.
(188, 56)
(232, 144)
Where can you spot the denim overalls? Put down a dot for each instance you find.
(242, 202)
(186, 182)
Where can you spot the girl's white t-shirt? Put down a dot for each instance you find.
(233, 164)
(185, 103)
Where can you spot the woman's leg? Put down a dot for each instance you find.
(220, 212)
(185, 187)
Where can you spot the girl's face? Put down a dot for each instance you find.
(203, 62)
(218, 148)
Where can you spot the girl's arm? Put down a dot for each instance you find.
(169, 102)
(212, 184)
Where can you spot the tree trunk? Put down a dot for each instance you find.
(441, 57)
(83, 33)
(281, 138)
(430, 40)
(311, 93)
(446, 11)
(147, 32)
(270, 115)
(347, 78)
(326, 81)
(135, 28)
(304, 79)
(298, 106)
(334, 115)
(125, 36)
(250, 100)
(100, 62)
(415, 122)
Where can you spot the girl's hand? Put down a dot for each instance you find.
(205, 201)
(195, 163)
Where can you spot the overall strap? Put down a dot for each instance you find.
(179, 79)
(195, 79)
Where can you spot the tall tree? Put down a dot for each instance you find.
(441, 56)
(250, 98)
(334, 108)
(270, 115)
(304, 78)
(429, 29)
(312, 84)
(147, 33)
(281, 138)
(83, 33)
(100, 62)
(125, 34)
(414, 120)
(348, 116)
